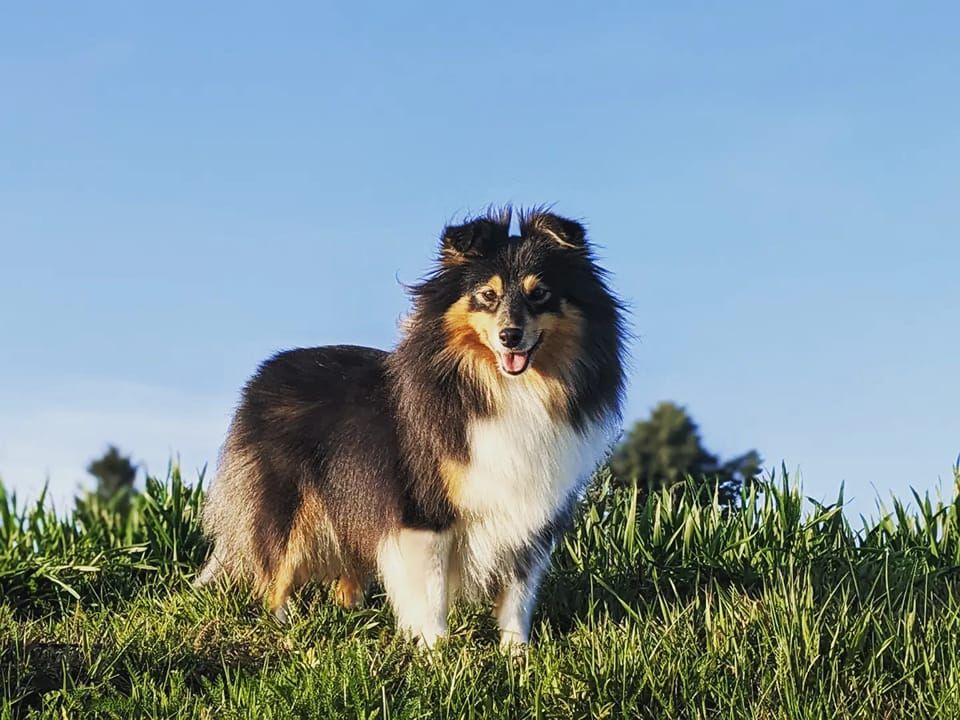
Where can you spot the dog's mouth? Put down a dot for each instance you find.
(515, 363)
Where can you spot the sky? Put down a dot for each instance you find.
(187, 188)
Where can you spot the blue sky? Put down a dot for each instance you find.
(185, 189)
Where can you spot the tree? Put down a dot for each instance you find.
(667, 448)
(115, 475)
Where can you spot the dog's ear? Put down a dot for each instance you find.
(474, 239)
(564, 232)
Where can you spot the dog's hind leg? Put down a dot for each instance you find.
(211, 572)
(279, 599)
(348, 592)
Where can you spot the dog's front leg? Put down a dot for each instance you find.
(514, 605)
(413, 565)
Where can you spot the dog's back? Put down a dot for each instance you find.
(306, 482)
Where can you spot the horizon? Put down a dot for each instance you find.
(773, 191)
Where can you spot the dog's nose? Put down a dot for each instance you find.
(511, 337)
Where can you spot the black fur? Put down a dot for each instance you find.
(322, 419)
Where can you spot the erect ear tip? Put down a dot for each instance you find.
(459, 237)
(473, 239)
(563, 231)
(574, 230)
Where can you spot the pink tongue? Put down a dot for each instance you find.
(514, 362)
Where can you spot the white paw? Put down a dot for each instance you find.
(424, 637)
(429, 636)
(513, 643)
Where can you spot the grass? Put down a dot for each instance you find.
(664, 606)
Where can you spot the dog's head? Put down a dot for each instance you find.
(517, 303)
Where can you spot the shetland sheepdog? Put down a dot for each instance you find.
(447, 467)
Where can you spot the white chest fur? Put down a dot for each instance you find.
(524, 468)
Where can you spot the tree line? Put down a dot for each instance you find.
(660, 451)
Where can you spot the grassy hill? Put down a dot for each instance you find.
(659, 607)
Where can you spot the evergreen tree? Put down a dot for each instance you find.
(666, 448)
(115, 474)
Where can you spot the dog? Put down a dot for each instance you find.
(446, 468)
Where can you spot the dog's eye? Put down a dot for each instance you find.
(489, 295)
(539, 294)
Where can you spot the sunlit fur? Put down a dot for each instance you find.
(447, 467)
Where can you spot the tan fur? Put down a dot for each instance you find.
(348, 592)
(311, 551)
(281, 586)
(496, 284)
(468, 338)
(466, 331)
(452, 473)
(530, 283)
